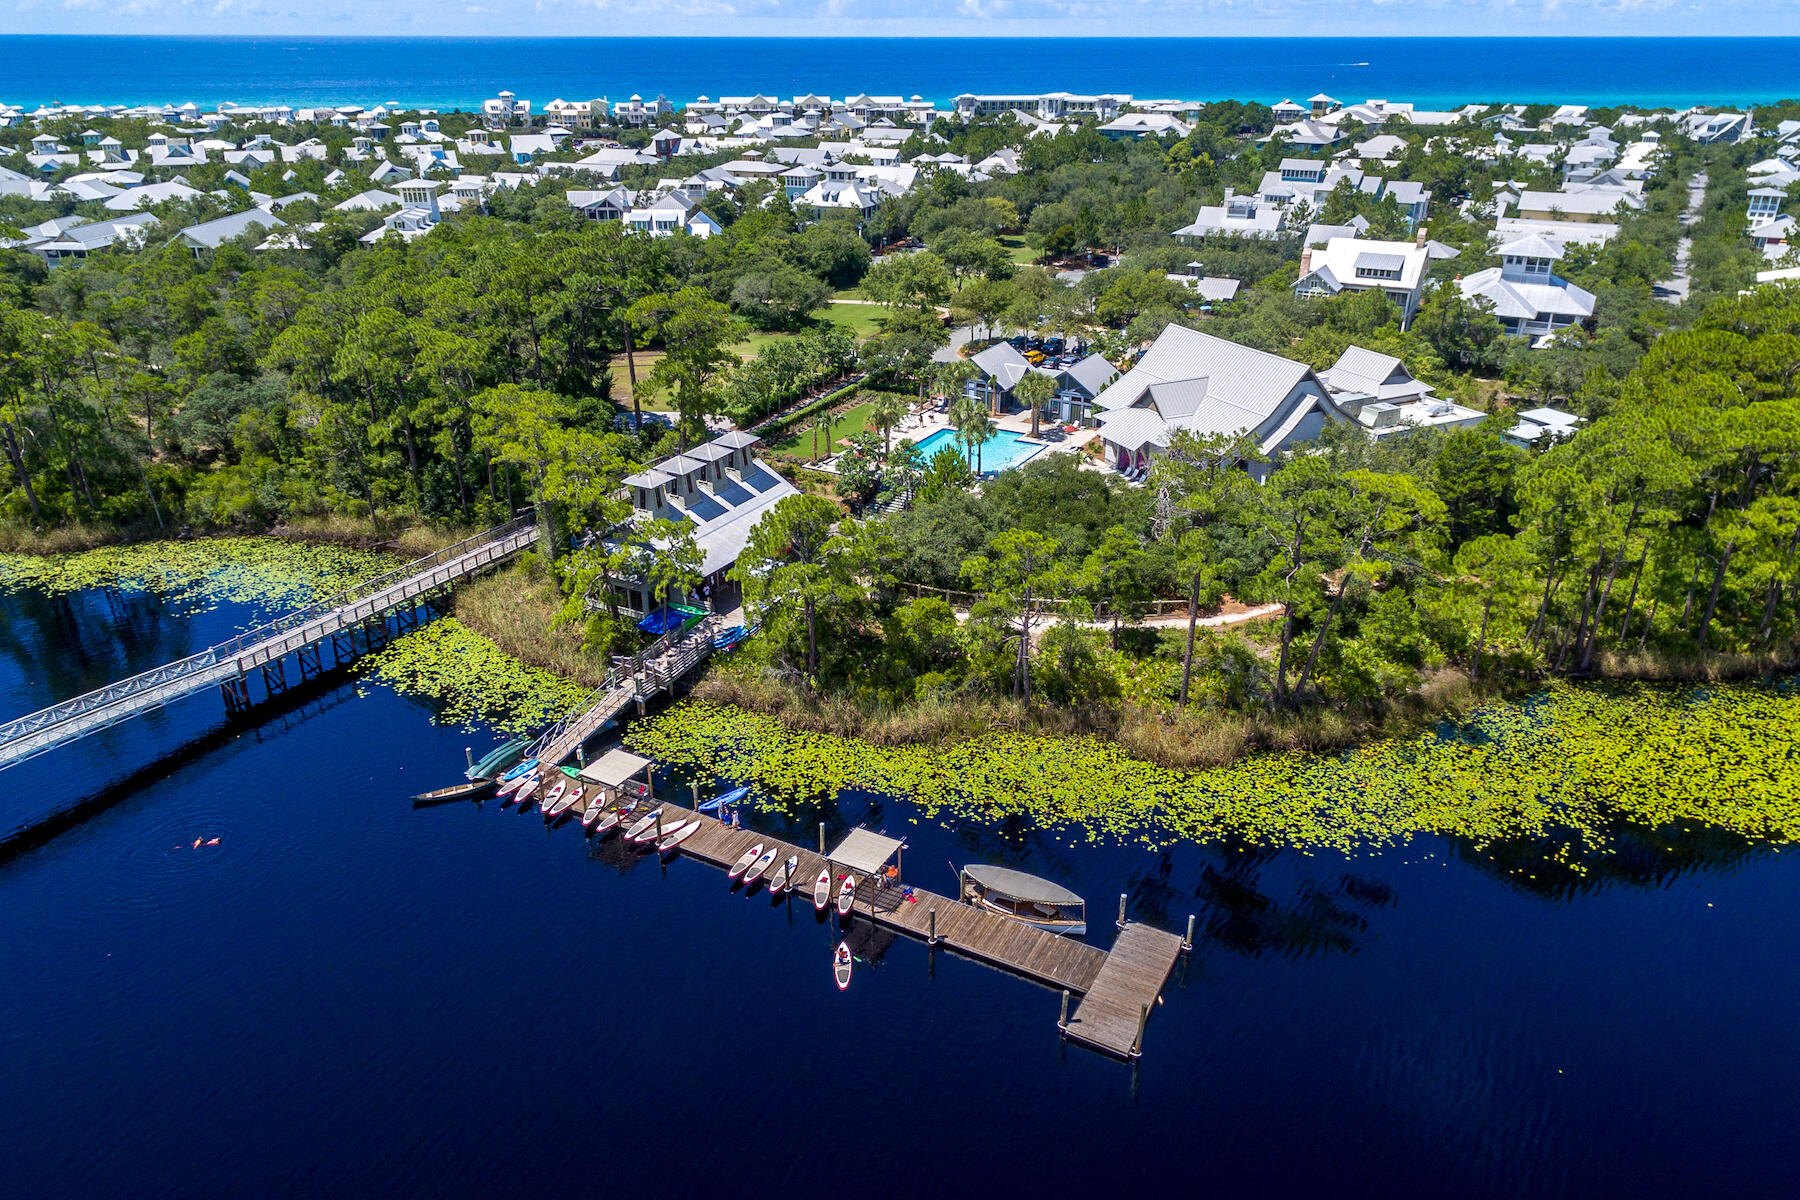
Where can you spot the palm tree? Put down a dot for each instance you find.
(886, 412)
(974, 425)
(954, 377)
(1034, 390)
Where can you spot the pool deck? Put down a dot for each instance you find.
(923, 423)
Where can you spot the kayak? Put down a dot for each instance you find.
(822, 890)
(846, 895)
(840, 965)
(743, 864)
(524, 768)
(730, 637)
(678, 835)
(763, 862)
(497, 760)
(645, 824)
(718, 804)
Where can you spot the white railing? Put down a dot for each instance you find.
(354, 603)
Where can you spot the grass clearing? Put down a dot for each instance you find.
(798, 445)
(861, 319)
(1021, 253)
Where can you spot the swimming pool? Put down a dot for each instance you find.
(1001, 452)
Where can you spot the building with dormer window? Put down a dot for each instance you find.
(1527, 295)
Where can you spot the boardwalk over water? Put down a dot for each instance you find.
(647, 673)
(1118, 990)
(265, 647)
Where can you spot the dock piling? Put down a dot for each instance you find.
(469, 753)
(1137, 1043)
(931, 938)
(1062, 1022)
(1121, 910)
(1187, 943)
(821, 837)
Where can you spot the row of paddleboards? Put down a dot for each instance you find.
(758, 862)
(563, 795)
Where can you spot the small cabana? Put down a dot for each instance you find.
(866, 853)
(616, 773)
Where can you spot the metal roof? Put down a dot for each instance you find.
(647, 479)
(1020, 886)
(1380, 262)
(614, 768)
(865, 850)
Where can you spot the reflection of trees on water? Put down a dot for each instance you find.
(1561, 866)
(72, 642)
(1239, 908)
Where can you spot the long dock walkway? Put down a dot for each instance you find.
(1119, 989)
(227, 664)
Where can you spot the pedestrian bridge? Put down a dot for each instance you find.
(362, 608)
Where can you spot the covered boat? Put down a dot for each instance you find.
(1037, 902)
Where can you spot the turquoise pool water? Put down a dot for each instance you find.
(1001, 452)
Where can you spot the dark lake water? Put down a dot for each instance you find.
(349, 997)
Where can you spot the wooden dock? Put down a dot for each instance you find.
(646, 674)
(1111, 1017)
(1118, 989)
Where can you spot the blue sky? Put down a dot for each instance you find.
(1316, 18)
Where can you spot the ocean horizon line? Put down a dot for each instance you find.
(459, 71)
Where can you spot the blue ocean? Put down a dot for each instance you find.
(451, 73)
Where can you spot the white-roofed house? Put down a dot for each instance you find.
(1238, 216)
(609, 205)
(1577, 204)
(1528, 298)
(1381, 395)
(1541, 428)
(1764, 204)
(1359, 265)
(208, 236)
(1192, 380)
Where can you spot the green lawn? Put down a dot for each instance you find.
(1021, 253)
(799, 442)
(752, 345)
(859, 319)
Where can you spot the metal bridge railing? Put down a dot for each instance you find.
(200, 663)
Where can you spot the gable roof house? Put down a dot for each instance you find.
(1527, 297)
(670, 215)
(208, 236)
(1357, 265)
(1238, 216)
(1387, 400)
(720, 488)
(1309, 134)
(609, 205)
(1577, 203)
(1192, 380)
